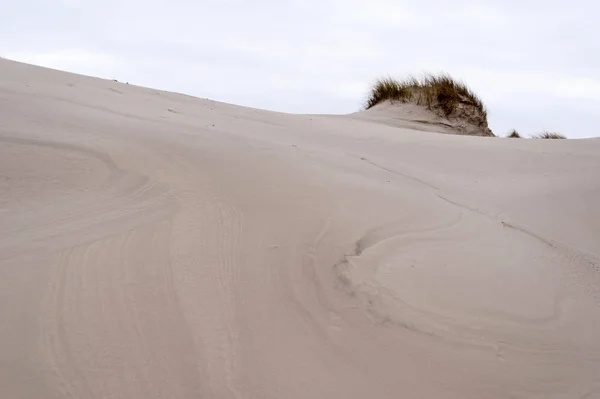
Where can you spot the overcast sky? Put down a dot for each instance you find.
(536, 64)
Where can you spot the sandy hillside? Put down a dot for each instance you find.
(155, 245)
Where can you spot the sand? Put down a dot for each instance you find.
(156, 245)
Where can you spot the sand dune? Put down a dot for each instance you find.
(156, 245)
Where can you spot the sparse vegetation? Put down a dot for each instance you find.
(388, 89)
(446, 97)
(433, 91)
(549, 135)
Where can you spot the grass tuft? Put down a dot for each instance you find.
(514, 134)
(549, 135)
(388, 89)
(430, 90)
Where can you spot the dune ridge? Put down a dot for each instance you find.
(158, 245)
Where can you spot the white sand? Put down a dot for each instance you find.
(155, 245)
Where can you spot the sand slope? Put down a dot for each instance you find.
(155, 245)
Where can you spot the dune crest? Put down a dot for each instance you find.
(438, 99)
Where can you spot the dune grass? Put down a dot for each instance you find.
(514, 134)
(549, 135)
(430, 90)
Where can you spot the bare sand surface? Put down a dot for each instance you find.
(156, 245)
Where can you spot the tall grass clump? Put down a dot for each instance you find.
(514, 135)
(549, 135)
(388, 89)
(434, 91)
